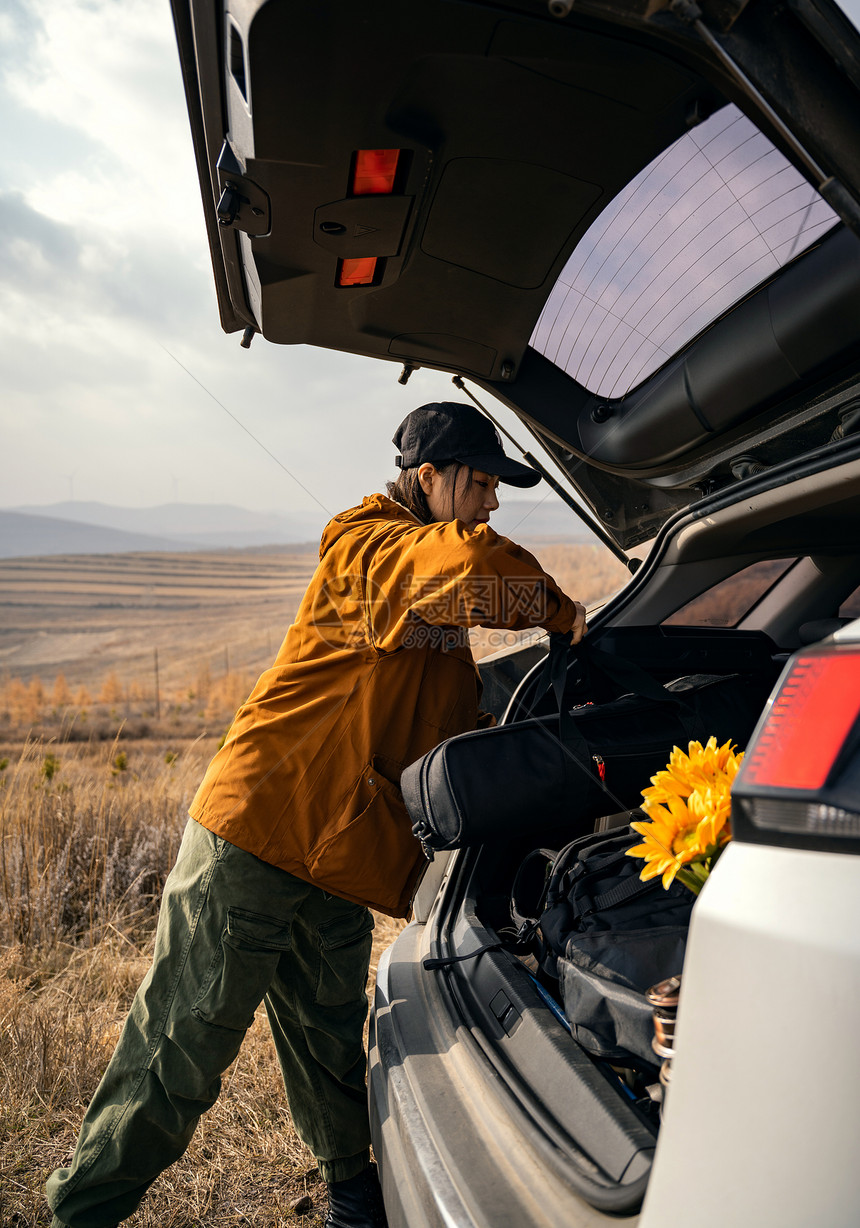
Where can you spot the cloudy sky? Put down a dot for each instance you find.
(104, 268)
(105, 273)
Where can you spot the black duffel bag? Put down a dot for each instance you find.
(605, 935)
(566, 770)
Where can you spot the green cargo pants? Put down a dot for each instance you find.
(232, 932)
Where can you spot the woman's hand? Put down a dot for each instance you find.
(580, 626)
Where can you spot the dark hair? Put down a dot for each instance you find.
(407, 488)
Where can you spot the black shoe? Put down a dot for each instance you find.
(356, 1202)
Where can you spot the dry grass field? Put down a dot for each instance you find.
(84, 854)
(87, 615)
(97, 767)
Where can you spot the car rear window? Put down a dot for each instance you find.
(728, 602)
(713, 216)
(850, 607)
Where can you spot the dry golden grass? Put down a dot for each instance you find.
(245, 1164)
(85, 848)
(89, 832)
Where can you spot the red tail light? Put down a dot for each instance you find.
(809, 720)
(374, 172)
(799, 785)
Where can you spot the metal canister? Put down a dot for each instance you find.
(666, 993)
(664, 998)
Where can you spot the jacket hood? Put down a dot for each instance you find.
(356, 519)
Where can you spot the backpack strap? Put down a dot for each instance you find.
(626, 890)
(446, 960)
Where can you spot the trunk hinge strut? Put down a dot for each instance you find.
(596, 528)
(830, 188)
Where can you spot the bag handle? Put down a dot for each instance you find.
(554, 673)
(554, 676)
(625, 673)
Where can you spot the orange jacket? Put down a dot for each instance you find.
(375, 671)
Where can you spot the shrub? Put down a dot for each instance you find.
(50, 767)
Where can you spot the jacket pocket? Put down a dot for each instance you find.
(241, 969)
(371, 854)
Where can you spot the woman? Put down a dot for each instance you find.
(298, 827)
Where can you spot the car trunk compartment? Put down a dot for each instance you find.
(582, 1104)
(601, 1142)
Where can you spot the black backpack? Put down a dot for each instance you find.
(605, 935)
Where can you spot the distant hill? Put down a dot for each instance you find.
(103, 528)
(22, 535)
(195, 525)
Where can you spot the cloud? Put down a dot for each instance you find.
(105, 267)
(16, 24)
(34, 248)
(103, 79)
(109, 71)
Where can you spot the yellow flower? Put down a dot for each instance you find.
(688, 805)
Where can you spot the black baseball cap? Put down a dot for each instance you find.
(448, 431)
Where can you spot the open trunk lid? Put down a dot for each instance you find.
(634, 223)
